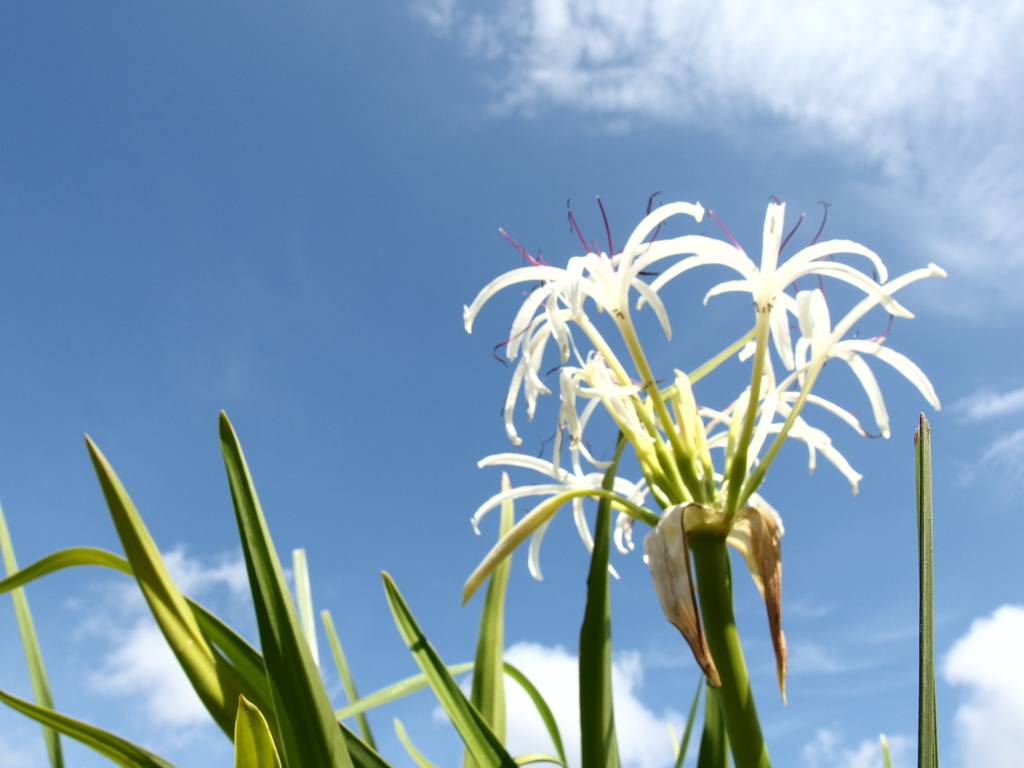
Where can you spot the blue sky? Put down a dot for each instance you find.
(280, 209)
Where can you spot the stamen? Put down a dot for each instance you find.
(792, 231)
(494, 352)
(576, 227)
(884, 333)
(607, 229)
(727, 232)
(650, 202)
(520, 248)
(824, 218)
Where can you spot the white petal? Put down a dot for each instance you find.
(902, 364)
(868, 382)
(647, 294)
(515, 493)
(828, 248)
(652, 220)
(848, 274)
(533, 559)
(730, 285)
(521, 275)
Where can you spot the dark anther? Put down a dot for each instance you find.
(553, 370)
(775, 199)
(650, 202)
(494, 352)
(648, 274)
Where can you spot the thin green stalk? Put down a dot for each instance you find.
(714, 587)
(927, 730)
(738, 464)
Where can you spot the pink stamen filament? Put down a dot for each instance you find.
(607, 228)
(576, 227)
(727, 232)
(520, 248)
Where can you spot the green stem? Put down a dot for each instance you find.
(714, 587)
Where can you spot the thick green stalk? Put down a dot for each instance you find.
(927, 730)
(714, 587)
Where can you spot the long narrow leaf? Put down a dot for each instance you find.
(537, 757)
(417, 756)
(30, 643)
(396, 691)
(304, 600)
(362, 754)
(309, 733)
(690, 718)
(542, 708)
(599, 748)
(346, 677)
(214, 682)
(254, 746)
(714, 747)
(111, 746)
(927, 727)
(886, 758)
(488, 692)
(483, 745)
(65, 558)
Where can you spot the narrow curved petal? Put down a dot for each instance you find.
(819, 251)
(624, 533)
(533, 558)
(743, 286)
(868, 381)
(848, 274)
(521, 275)
(779, 321)
(652, 220)
(648, 295)
(901, 363)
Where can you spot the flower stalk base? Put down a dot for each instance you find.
(714, 589)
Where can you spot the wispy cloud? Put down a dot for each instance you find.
(988, 662)
(987, 404)
(643, 736)
(919, 87)
(829, 751)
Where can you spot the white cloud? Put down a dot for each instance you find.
(923, 88)
(140, 664)
(990, 723)
(987, 404)
(828, 751)
(643, 736)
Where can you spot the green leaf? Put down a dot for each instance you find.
(362, 754)
(483, 744)
(304, 599)
(111, 746)
(690, 718)
(537, 757)
(886, 758)
(64, 558)
(714, 745)
(215, 681)
(542, 708)
(927, 726)
(30, 643)
(414, 753)
(599, 748)
(309, 733)
(395, 691)
(346, 677)
(488, 692)
(254, 746)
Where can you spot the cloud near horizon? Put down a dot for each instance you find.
(918, 88)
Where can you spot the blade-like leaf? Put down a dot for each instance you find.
(111, 746)
(483, 745)
(714, 746)
(886, 758)
(414, 753)
(488, 692)
(304, 600)
(65, 558)
(690, 718)
(537, 757)
(542, 708)
(30, 643)
(346, 677)
(309, 733)
(214, 681)
(254, 746)
(396, 691)
(362, 754)
(599, 748)
(927, 727)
